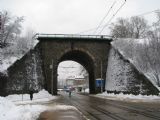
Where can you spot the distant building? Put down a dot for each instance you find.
(79, 81)
(70, 81)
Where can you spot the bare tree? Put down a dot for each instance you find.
(148, 53)
(120, 28)
(82, 71)
(29, 38)
(10, 28)
(145, 54)
(27, 42)
(152, 49)
(139, 26)
(135, 27)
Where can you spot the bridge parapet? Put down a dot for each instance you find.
(79, 36)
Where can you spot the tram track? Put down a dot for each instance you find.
(128, 108)
(105, 112)
(132, 109)
(99, 109)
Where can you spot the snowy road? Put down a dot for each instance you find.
(101, 109)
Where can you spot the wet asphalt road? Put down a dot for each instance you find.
(101, 109)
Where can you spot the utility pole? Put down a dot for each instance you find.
(22, 89)
(22, 84)
(101, 77)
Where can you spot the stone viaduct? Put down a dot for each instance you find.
(89, 51)
(37, 69)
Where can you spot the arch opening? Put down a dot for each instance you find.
(86, 61)
(72, 75)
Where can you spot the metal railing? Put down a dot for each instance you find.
(39, 35)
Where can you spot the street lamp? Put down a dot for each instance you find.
(101, 77)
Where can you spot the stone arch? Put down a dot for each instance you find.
(78, 49)
(85, 60)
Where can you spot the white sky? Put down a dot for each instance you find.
(67, 69)
(73, 16)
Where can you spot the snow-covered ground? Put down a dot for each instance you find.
(129, 97)
(42, 96)
(10, 111)
(13, 108)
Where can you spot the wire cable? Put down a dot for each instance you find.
(89, 30)
(154, 11)
(112, 17)
(105, 17)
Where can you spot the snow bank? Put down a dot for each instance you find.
(129, 97)
(41, 96)
(5, 105)
(9, 111)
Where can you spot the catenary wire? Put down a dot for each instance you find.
(112, 17)
(104, 17)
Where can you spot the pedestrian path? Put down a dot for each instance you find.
(71, 113)
(61, 115)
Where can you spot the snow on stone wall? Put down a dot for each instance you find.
(121, 76)
(142, 54)
(117, 73)
(26, 74)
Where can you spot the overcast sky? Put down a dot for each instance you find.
(73, 16)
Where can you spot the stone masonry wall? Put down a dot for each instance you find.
(123, 77)
(26, 74)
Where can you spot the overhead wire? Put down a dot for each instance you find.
(112, 17)
(105, 17)
(89, 30)
(103, 26)
(146, 13)
(66, 67)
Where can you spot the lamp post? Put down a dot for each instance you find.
(51, 67)
(52, 79)
(101, 77)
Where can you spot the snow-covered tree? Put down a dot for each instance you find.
(82, 71)
(144, 53)
(152, 50)
(26, 42)
(10, 28)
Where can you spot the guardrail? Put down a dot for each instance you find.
(38, 35)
